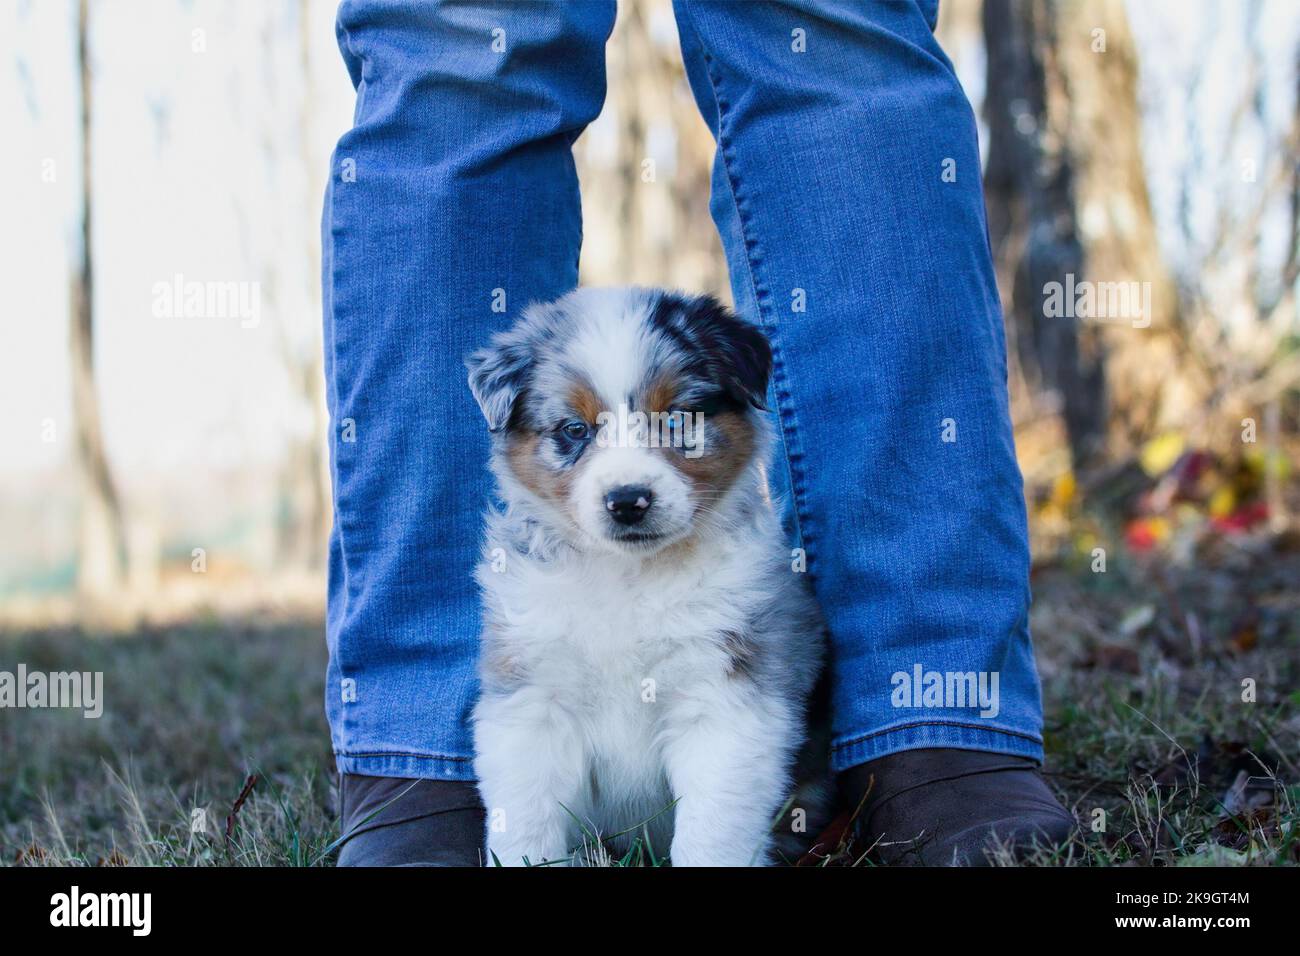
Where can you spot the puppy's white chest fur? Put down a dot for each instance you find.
(612, 689)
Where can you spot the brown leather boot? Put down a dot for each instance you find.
(390, 821)
(947, 807)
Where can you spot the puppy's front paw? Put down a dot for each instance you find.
(743, 851)
(534, 836)
(511, 852)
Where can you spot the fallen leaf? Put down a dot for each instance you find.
(1211, 854)
(1245, 632)
(1159, 454)
(1113, 658)
(1143, 534)
(1223, 502)
(1137, 619)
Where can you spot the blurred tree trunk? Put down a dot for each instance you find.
(307, 481)
(102, 546)
(1029, 187)
(303, 512)
(1067, 195)
(650, 222)
(632, 91)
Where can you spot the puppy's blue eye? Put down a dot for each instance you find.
(576, 430)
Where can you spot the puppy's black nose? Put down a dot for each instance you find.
(628, 504)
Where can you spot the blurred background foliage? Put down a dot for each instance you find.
(154, 467)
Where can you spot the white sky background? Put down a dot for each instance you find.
(199, 171)
(184, 183)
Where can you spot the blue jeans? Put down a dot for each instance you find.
(847, 191)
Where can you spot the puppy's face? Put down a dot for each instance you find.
(626, 414)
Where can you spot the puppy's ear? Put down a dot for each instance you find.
(497, 375)
(738, 351)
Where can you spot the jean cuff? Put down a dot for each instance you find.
(859, 748)
(409, 765)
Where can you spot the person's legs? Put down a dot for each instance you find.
(452, 204)
(847, 191)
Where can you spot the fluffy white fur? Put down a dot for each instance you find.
(617, 680)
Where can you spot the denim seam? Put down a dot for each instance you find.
(335, 451)
(395, 753)
(763, 300)
(347, 722)
(860, 738)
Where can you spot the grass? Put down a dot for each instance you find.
(191, 714)
(1172, 699)
(1149, 739)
